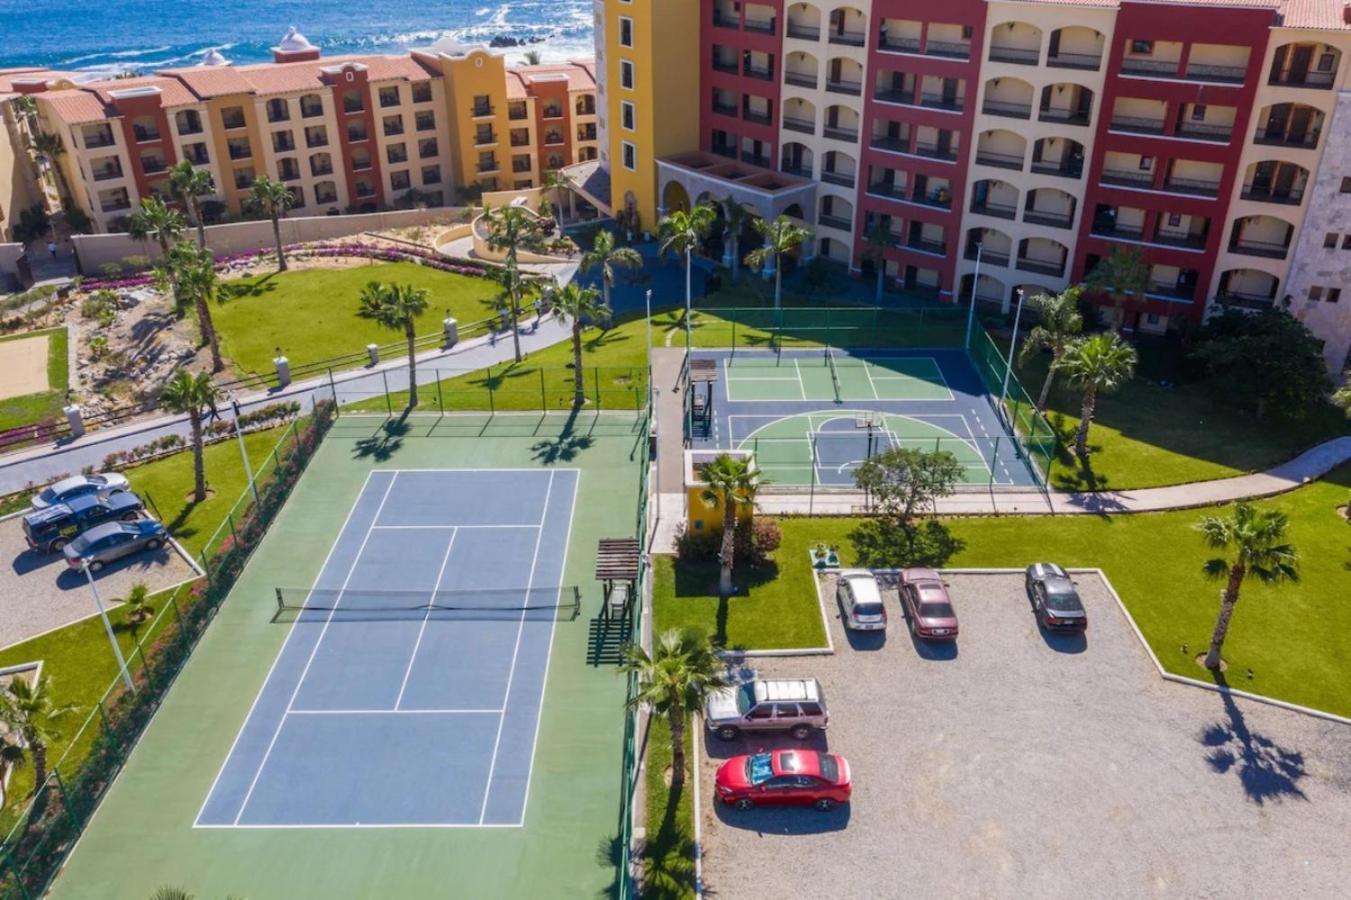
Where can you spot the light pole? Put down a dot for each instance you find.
(647, 302)
(689, 302)
(108, 626)
(971, 313)
(1008, 365)
(243, 452)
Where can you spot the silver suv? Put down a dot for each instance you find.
(796, 705)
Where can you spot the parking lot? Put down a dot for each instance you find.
(39, 592)
(1021, 763)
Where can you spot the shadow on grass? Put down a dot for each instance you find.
(1266, 770)
(245, 287)
(668, 857)
(700, 579)
(880, 544)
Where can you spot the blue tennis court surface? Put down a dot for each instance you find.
(375, 715)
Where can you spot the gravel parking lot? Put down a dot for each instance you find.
(39, 592)
(1024, 764)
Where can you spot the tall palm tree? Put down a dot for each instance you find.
(734, 217)
(552, 180)
(510, 228)
(195, 274)
(876, 242)
(195, 396)
(52, 148)
(273, 199)
(396, 307)
(1122, 275)
(605, 255)
(32, 711)
(1095, 365)
(731, 482)
(1058, 323)
(27, 107)
(782, 236)
(154, 220)
(1257, 538)
(673, 681)
(578, 303)
(12, 756)
(189, 185)
(682, 232)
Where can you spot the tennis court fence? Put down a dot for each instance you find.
(501, 388)
(755, 327)
(563, 603)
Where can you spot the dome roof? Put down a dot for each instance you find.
(448, 45)
(213, 57)
(294, 42)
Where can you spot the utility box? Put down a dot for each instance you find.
(283, 366)
(451, 328)
(75, 418)
(373, 351)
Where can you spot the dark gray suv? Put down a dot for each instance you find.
(795, 705)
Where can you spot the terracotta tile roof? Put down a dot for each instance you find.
(580, 74)
(172, 91)
(212, 81)
(1323, 15)
(75, 107)
(284, 78)
(9, 76)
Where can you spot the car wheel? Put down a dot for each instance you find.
(727, 733)
(96, 565)
(744, 803)
(825, 804)
(58, 545)
(153, 544)
(801, 732)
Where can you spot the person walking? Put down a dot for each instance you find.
(51, 248)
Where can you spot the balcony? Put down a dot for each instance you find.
(923, 245)
(1088, 62)
(800, 79)
(552, 112)
(1007, 109)
(238, 152)
(393, 130)
(725, 109)
(489, 137)
(110, 206)
(726, 19)
(351, 104)
(890, 191)
(939, 198)
(835, 132)
(360, 164)
(758, 26)
(1322, 81)
(1216, 74)
(727, 67)
(1172, 291)
(940, 101)
(1199, 131)
(231, 122)
(836, 222)
(934, 151)
(800, 170)
(1064, 116)
(1150, 68)
(1137, 125)
(1053, 219)
(802, 126)
(999, 160)
(316, 140)
(802, 31)
(365, 191)
(311, 110)
(1182, 241)
(1113, 231)
(843, 86)
(1264, 249)
(108, 173)
(289, 174)
(843, 179)
(998, 210)
(1020, 56)
(188, 127)
(1306, 140)
(893, 95)
(1244, 300)
(1041, 267)
(759, 118)
(325, 169)
(1127, 179)
(848, 38)
(1192, 187)
(283, 144)
(520, 140)
(988, 257)
(515, 113)
(898, 44)
(756, 159)
(948, 50)
(759, 72)
(1267, 194)
(482, 110)
(145, 135)
(1065, 168)
(890, 144)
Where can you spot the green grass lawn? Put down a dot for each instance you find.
(32, 408)
(1296, 638)
(311, 314)
(668, 857)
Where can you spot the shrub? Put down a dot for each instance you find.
(755, 541)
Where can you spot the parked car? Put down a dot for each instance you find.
(795, 705)
(784, 777)
(79, 486)
(1054, 598)
(928, 607)
(111, 541)
(860, 601)
(49, 530)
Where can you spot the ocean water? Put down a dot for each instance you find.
(109, 36)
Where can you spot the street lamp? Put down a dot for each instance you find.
(971, 313)
(243, 452)
(1008, 365)
(117, 651)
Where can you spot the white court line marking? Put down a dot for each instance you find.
(394, 712)
(422, 629)
(348, 825)
(313, 652)
(802, 388)
(511, 673)
(441, 527)
(258, 696)
(867, 370)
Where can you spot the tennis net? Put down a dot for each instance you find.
(359, 604)
(834, 375)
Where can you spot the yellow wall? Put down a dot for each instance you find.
(16, 178)
(665, 95)
(478, 73)
(703, 517)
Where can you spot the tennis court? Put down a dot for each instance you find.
(409, 690)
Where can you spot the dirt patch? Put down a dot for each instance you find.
(23, 367)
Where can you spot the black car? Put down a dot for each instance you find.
(1054, 599)
(49, 530)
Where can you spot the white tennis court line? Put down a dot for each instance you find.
(442, 527)
(422, 629)
(395, 712)
(902, 376)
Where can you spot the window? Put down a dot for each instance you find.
(400, 181)
(1152, 318)
(422, 93)
(426, 149)
(426, 121)
(1146, 163)
(1315, 293)
(630, 156)
(626, 74)
(431, 174)
(1330, 241)
(627, 115)
(1346, 241)
(1346, 185)
(1145, 47)
(1199, 112)
(1334, 294)
(625, 31)
(389, 96)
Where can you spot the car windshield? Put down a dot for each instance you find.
(1061, 595)
(759, 769)
(936, 610)
(830, 770)
(868, 609)
(745, 698)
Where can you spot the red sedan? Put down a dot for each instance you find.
(785, 777)
(927, 605)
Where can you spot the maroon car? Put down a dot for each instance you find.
(784, 777)
(927, 605)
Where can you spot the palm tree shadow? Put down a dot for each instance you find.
(565, 446)
(385, 444)
(1266, 770)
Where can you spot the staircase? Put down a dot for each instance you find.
(608, 639)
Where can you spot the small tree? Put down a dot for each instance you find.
(577, 303)
(509, 229)
(32, 711)
(876, 242)
(731, 482)
(553, 181)
(782, 236)
(1123, 275)
(396, 307)
(12, 755)
(51, 148)
(138, 605)
(1058, 323)
(189, 186)
(607, 257)
(1095, 365)
(682, 232)
(155, 221)
(194, 271)
(904, 481)
(273, 199)
(675, 679)
(734, 217)
(195, 396)
(1264, 360)
(1257, 539)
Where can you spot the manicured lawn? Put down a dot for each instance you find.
(311, 314)
(45, 406)
(668, 858)
(1295, 638)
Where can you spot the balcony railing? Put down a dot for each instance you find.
(550, 140)
(1063, 116)
(396, 158)
(801, 171)
(115, 205)
(1073, 168)
(1201, 132)
(948, 49)
(1308, 139)
(848, 38)
(107, 173)
(938, 199)
(1089, 62)
(1150, 68)
(145, 135)
(1194, 187)
(923, 245)
(800, 79)
(311, 110)
(727, 150)
(883, 189)
(754, 159)
(933, 151)
(1244, 300)
(1041, 266)
(892, 95)
(1292, 197)
(759, 26)
(988, 257)
(999, 160)
(480, 110)
(1007, 109)
(759, 72)
(325, 169)
(844, 86)
(1043, 217)
(802, 126)
(289, 174)
(190, 127)
(484, 138)
(365, 190)
(898, 44)
(552, 112)
(998, 210)
(1218, 74)
(803, 32)
(1121, 178)
(286, 146)
(725, 109)
(353, 105)
(1172, 291)
(838, 222)
(393, 130)
(237, 152)
(759, 118)
(483, 168)
(1137, 125)
(1017, 55)
(360, 165)
(1267, 249)
(232, 122)
(890, 144)
(835, 132)
(316, 141)
(101, 139)
(518, 113)
(723, 20)
(940, 101)
(1318, 80)
(1185, 241)
(843, 179)
(728, 68)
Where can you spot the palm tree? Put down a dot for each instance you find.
(551, 180)
(1257, 538)
(734, 217)
(1059, 322)
(682, 232)
(876, 242)
(52, 148)
(509, 228)
(12, 757)
(194, 395)
(138, 607)
(782, 236)
(156, 221)
(731, 481)
(578, 303)
(195, 274)
(532, 57)
(189, 185)
(608, 257)
(396, 307)
(1123, 274)
(171, 892)
(32, 711)
(273, 199)
(27, 107)
(1096, 365)
(674, 680)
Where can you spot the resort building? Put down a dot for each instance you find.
(1006, 145)
(346, 134)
